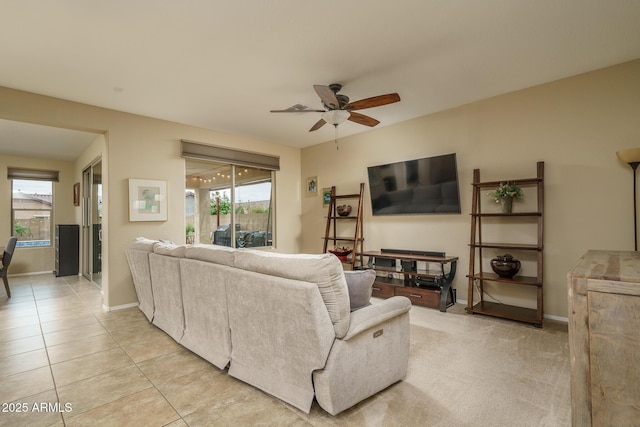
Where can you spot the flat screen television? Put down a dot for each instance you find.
(421, 186)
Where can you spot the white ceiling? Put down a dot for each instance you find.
(223, 64)
(29, 140)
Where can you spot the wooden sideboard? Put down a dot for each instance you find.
(604, 339)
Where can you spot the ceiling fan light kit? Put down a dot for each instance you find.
(336, 117)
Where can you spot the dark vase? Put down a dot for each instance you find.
(505, 266)
(343, 210)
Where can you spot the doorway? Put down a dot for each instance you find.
(92, 222)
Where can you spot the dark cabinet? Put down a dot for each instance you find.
(67, 245)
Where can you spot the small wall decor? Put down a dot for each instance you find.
(147, 200)
(326, 196)
(76, 194)
(312, 186)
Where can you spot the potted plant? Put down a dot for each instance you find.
(190, 232)
(505, 193)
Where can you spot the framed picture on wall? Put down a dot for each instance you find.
(312, 186)
(76, 194)
(326, 196)
(147, 200)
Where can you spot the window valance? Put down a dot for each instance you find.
(195, 150)
(33, 174)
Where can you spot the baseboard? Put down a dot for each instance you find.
(546, 316)
(556, 318)
(119, 307)
(33, 273)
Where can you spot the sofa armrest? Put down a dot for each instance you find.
(373, 355)
(375, 314)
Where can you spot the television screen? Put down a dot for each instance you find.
(422, 186)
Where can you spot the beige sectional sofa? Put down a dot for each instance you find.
(282, 323)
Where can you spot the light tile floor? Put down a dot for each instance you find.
(65, 362)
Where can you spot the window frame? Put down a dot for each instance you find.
(230, 188)
(22, 243)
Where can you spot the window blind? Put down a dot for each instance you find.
(195, 150)
(33, 174)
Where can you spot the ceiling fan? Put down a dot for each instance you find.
(338, 109)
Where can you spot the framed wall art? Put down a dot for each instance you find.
(326, 196)
(76, 194)
(147, 200)
(312, 186)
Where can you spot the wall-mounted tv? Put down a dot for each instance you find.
(421, 186)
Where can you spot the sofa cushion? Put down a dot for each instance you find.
(143, 244)
(360, 286)
(169, 249)
(211, 253)
(166, 285)
(138, 259)
(206, 318)
(325, 270)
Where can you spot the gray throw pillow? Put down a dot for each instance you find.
(360, 285)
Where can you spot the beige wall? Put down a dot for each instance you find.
(140, 147)
(574, 125)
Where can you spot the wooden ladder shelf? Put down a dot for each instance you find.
(337, 224)
(478, 276)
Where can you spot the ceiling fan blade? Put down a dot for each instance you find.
(298, 108)
(363, 120)
(375, 101)
(318, 125)
(296, 111)
(327, 96)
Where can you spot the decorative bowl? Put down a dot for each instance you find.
(341, 253)
(505, 266)
(343, 210)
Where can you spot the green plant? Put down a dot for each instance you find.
(506, 189)
(189, 229)
(20, 229)
(260, 209)
(225, 204)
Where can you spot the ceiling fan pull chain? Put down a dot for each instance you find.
(335, 139)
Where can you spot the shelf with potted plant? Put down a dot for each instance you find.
(478, 277)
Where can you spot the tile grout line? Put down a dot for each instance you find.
(153, 384)
(100, 321)
(46, 349)
(107, 331)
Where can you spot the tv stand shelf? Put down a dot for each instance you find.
(425, 286)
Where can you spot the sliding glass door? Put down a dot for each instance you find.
(92, 222)
(228, 205)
